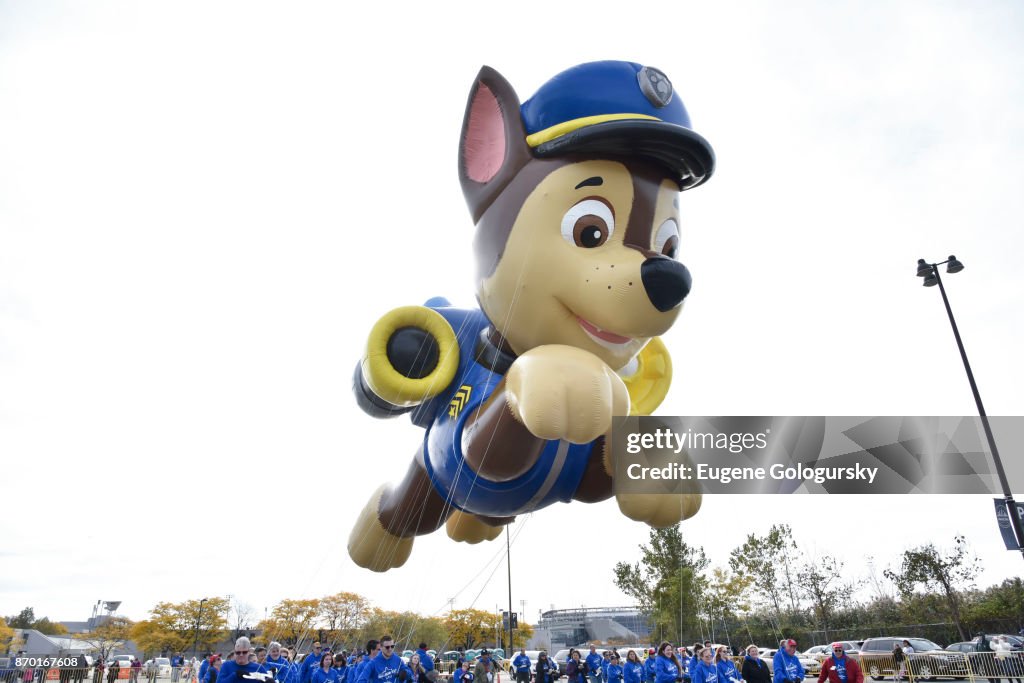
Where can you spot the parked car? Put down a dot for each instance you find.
(825, 651)
(533, 655)
(811, 664)
(163, 666)
(928, 661)
(560, 658)
(123, 661)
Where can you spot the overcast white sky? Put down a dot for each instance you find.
(205, 206)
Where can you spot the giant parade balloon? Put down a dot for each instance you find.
(575, 199)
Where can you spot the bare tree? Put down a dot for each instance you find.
(822, 583)
(243, 617)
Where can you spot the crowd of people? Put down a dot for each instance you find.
(705, 663)
(379, 663)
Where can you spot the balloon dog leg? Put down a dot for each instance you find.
(658, 510)
(468, 528)
(382, 536)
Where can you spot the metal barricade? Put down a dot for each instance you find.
(995, 666)
(926, 666)
(66, 675)
(911, 667)
(878, 666)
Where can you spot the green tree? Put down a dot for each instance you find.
(771, 562)
(950, 572)
(1002, 602)
(50, 628)
(407, 628)
(24, 619)
(666, 582)
(725, 597)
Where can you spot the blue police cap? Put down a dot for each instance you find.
(622, 109)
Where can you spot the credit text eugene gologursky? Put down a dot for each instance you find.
(735, 442)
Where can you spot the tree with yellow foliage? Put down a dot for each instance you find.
(107, 637)
(343, 614)
(189, 624)
(6, 636)
(470, 628)
(292, 621)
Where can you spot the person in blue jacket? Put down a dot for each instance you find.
(426, 660)
(693, 661)
(546, 670)
(606, 659)
(234, 669)
(277, 664)
(705, 671)
(341, 667)
(325, 673)
(462, 671)
(357, 659)
(521, 665)
(372, 648)
(649, 665)
(727, 671)
(666, 666)
(311, 661)
(576, 669)
(205, 666)
(633, 669)
(386, 667)
(786, 665)
(594, 661)
(614, 672)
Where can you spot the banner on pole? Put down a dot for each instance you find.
(1005, 526)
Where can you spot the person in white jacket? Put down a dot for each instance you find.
(1009, 661)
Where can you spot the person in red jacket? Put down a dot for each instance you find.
(839, 668)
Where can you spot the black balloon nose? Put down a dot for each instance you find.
(667, 282)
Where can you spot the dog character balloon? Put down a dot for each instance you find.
(574, 194)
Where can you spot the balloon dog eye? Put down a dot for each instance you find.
(588, 224)
(666, 240)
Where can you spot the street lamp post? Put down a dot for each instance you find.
(508, 562)
(195, 643)
(930, 273)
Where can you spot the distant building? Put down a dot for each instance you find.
(561, 628)
(85, 626)
(37, 643)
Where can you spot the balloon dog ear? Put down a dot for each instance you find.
(492, 148)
